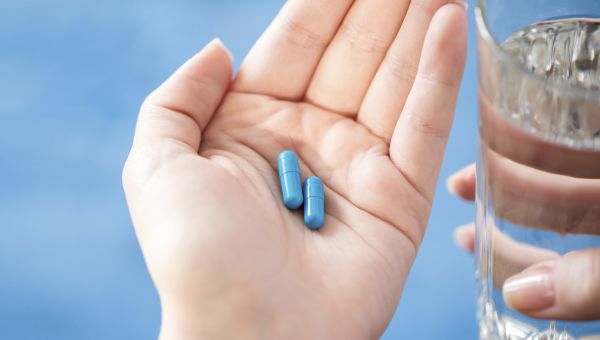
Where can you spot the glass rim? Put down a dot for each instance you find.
(513, 63)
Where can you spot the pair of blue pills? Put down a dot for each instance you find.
(311, 194)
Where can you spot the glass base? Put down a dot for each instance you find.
(517, 330)
(494, 327)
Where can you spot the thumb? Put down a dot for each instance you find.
(182, 106)
(173, 117)
(567, 288)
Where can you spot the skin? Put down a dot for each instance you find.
(555, 293)
(228, 259)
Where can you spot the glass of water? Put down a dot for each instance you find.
(538, 184)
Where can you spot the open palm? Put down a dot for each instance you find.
(364, 93)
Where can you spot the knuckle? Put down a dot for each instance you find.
(590, 288)
(583, 294)
(362, 38)
(432, 78)
(299, 34)
(152, 100)
(429, 7)
(426, 126)
(401, 67)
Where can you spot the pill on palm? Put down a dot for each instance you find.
(291, 182)
(314, 203)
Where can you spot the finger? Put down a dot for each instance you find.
(173, 116)
(534, 198)
(514, 142)
(284, 59)
(181, 107)
(510, 256)
(387, 94)
(355, 53)
(462, 183)
(566, 289)
(538, 199)
(464, 237)
(422, 131)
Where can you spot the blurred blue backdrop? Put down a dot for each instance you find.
(72, 76)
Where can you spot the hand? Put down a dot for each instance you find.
(226, 256)
(574, 277)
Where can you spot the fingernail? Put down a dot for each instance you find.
(531, 290)
(463, 3)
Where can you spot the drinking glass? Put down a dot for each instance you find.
(538, 167)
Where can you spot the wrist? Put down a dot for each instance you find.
(221, 320)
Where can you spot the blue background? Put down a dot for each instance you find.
(72, 76)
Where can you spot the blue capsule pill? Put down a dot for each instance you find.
(314, 203)
(291, 182)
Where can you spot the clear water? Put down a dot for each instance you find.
(539, 170)
(566, 52)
